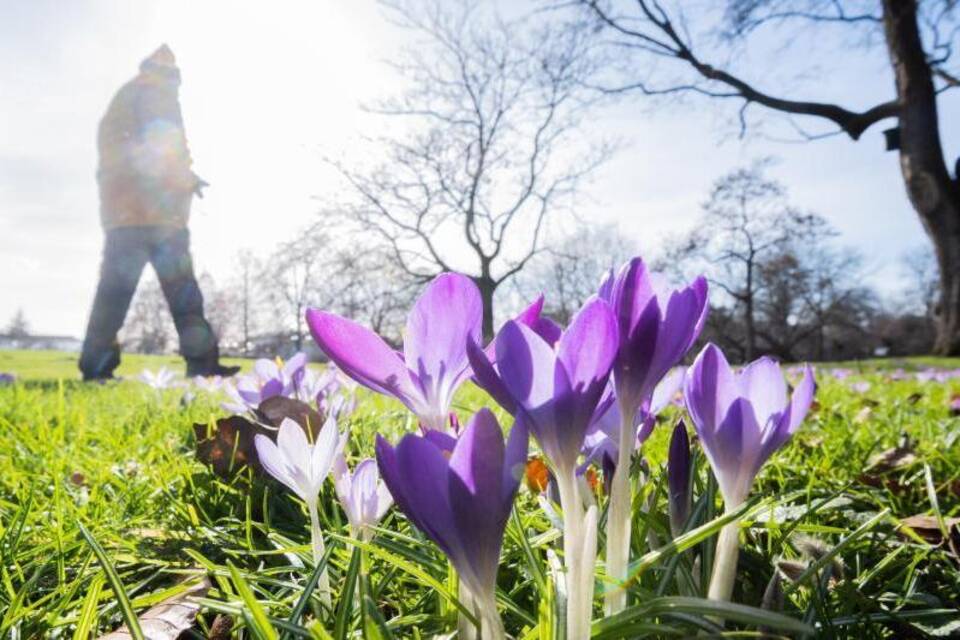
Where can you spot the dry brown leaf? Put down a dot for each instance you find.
(230, 446)
(274, 410)
(902, 455)
(168, 619)
(928, 528)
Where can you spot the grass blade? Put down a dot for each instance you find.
(126, 609)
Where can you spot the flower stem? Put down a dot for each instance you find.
(618, 519)
(492, 625)
(316, 540)
(725, 562)
(465, 628)
(573, 554)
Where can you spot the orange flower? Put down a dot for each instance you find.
(537, 475)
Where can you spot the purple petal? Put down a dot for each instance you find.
(362, 355)
(762, 382)
(444, 318)
(709, 389)
(487, 377)
(275, 464)
(734, 451)
(514, 463)
(667, 389)
(589, 345)
(426, 478)
(526, 364)
(792, 416)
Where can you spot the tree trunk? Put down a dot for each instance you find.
(934, 195)
(487, 288)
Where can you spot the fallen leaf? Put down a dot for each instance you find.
(902, 455)
(274, 410)
(221, 627)
(928, 528)
(863, 415)
(230, 446)
(168, 619)
(77, 479)
(914, 397)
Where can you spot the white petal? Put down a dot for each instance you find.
(323, 451)
(273, 461)
(292, 442)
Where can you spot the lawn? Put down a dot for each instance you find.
(118, 462)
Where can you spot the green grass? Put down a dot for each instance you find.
(118, 459)
(53, 365)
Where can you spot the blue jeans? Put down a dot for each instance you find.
(126, 252)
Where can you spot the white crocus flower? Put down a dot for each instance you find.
(163, 378)
(302, 467)
(364, 497)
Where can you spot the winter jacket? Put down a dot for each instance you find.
(144, 170)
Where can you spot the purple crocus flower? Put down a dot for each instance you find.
(461, 498)
(269, 378)
(433, 363)
(7, 378)
(742, 417)
(657, 327)
(678, 478)
(554, 390)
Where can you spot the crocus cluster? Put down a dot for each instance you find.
(7, 378)
(587, 393)
(289, 379)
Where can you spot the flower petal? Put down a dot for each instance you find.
(273, 462)
(362, 355)
(487, 378)
(444, 318)
(709, 389)
(762, 382)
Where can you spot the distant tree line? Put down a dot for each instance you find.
(781, 283)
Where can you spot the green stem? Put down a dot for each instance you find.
(618, 519)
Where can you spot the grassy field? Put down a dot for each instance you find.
(53, 365)
(118, 462)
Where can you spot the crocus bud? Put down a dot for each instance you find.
(678, 478)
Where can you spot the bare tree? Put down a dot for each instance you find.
(370, 288)
(19, 327)
(570, 272)
(920, 269)
(292, 279)
(650, 39)
(813, 303)
(488, 151)
(746, 223)
(149, 326)
(245, 291)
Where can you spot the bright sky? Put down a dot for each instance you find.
(270, 88)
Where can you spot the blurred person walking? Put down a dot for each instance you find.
(146, 187)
